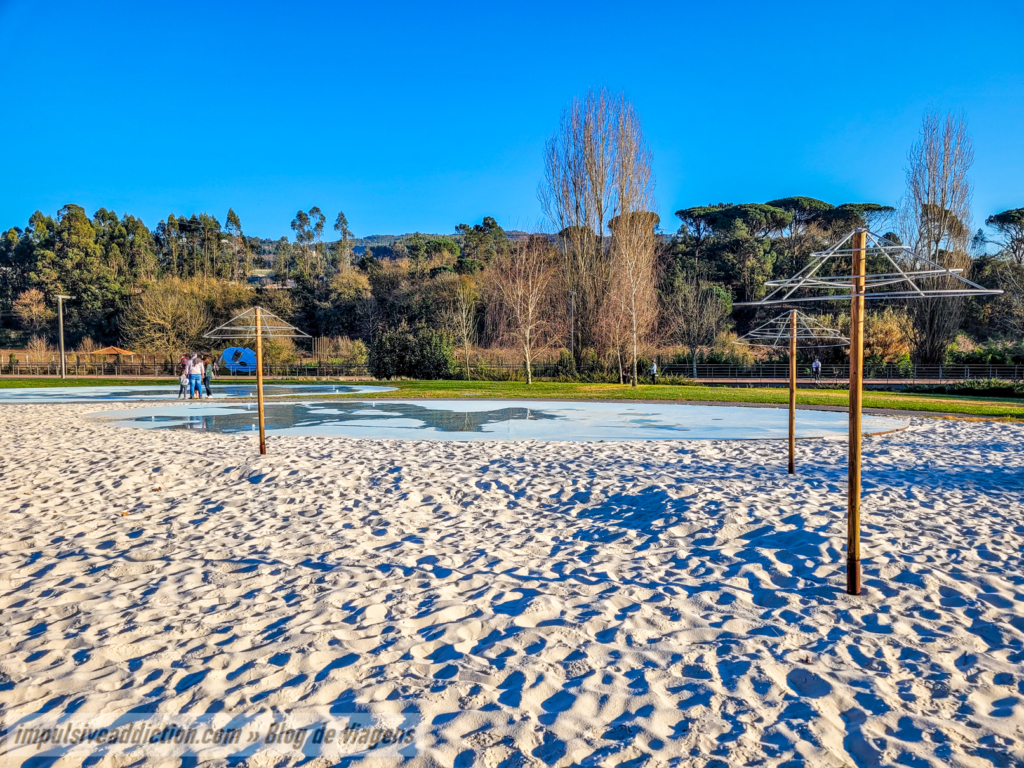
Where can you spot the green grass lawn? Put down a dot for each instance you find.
(991, 407)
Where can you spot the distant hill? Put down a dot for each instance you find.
(268, 246)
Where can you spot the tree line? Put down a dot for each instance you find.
(603, 287)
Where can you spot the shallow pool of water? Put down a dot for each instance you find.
(498, 420)
(170, 392)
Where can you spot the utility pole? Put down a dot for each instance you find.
(60, 326)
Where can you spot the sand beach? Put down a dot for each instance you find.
(676, 603)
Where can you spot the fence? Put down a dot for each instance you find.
(719, 373)
(890, 373)
(157, 370)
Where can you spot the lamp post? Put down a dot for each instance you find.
(572, 325)
(60, 326)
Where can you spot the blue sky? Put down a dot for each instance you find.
(418, 116)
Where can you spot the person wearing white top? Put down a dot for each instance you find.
(195, 369)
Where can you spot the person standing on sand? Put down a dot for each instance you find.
(207, 374)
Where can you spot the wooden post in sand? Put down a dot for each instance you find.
(859, 255)
(259, 382)
(256, 322)
(792, 392)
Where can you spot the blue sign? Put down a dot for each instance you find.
(239, 360)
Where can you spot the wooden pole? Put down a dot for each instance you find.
(856, 403)
(60, 323)
(792, 392)
(259, 380)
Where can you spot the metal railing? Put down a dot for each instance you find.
(162, 370)
(888, 372)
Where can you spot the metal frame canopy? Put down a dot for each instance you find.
(246, 324)
(792, 328)
(777, 332)
(902, 283)
(256, 323)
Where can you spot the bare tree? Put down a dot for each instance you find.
(697, 312)
(167, 317)
(597, 174)
(31, 310)
(634, 241)
(578, 197)
(612, 328)
(461, 313)
(935, 221)
(522, 278)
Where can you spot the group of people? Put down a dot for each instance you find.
(196, 372)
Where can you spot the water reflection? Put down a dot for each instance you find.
(310, 416)
(494, 420)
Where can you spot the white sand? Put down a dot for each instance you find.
(644, 603)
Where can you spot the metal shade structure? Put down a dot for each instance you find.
(908, 280)
(255, 323)
(795, 330)
(779, 331)
(813, 283)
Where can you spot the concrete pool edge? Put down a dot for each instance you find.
(222, 392)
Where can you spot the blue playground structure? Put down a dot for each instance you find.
(238, 360)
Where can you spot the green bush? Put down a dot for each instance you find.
(482, 371)
(678, 381)
(987, 387)
(565, 368)
(990, 353)
(435, 355)
(424, 354)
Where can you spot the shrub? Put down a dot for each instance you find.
(278, 350)
(988, 387)
(435, 355)
(341, 350)
(676, 380)
(426, 354)
(565, 367)
(39, 351)
(965, 352)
